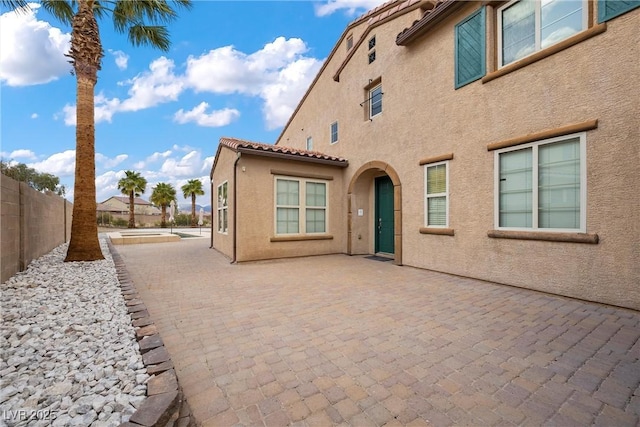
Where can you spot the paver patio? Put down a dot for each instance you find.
(335, 339)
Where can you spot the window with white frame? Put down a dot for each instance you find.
(334, 132)
(436, 195)
(527, 26)
(309, 143)
(301, 206)
(223, 220)
(375, 101)
(542, 185)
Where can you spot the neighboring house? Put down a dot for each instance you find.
(120, 204)
(493, 140)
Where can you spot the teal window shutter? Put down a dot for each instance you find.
(470, 40)
(609, 9)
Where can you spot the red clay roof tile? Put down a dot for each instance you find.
(236, 144)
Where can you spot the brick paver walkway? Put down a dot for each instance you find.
(347, 340)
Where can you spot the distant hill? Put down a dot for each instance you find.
(186, 208)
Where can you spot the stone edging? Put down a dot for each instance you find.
(165, 404)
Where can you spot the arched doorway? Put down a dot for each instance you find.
(375, 211)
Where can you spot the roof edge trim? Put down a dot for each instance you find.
(428, 21)
(287, 156)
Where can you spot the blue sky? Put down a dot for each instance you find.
(235, 68)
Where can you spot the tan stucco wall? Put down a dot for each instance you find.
(423, 116)
(223, 242)
(256, 210)
(32, 224)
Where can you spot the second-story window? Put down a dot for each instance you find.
(309, 143)
(334, 132)
(375, 101)
(372, 42)
(527, 26)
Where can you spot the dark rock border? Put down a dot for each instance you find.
(165, 404)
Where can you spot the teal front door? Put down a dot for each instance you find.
(384, 215)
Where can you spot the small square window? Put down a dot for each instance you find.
(372, 42)
(334, 132)
(372, 56)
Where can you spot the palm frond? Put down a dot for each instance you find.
(150, 12)
(20, 6)
(62, 10)
(150, 35)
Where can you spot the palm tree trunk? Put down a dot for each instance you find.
(193, 209)
(132, 218)
(163, 221)
(84, 244)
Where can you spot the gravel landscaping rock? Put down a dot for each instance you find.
(69, 353)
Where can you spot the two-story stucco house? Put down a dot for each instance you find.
(498, 140)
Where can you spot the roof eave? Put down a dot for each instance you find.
(430, 20)
(288, 156)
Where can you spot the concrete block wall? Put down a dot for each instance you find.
(32, 224)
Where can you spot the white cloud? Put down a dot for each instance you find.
(122, 59)
(31, 51)
(207, 164)
(104, 109)
(152, 159)
(199, 115)
(283, 95)
(59, 164)
(109, 163)
(351, 7)
(22, 154)
(279, 73)
(153, 87)
(34, 116)
(189, 165)
(107, 185)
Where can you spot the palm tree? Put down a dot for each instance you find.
(132, 185)
(163, 194)
(144, 22)
(193, 188)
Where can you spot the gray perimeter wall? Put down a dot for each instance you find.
(31, 224)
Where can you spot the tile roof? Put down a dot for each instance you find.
(258, 148)
(125, 200)
(430, 18)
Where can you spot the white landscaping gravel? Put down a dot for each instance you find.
(69, 353)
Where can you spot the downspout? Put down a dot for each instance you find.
(235, 210)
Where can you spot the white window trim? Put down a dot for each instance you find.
(220, 209)
(309, 143)
(428, 196)
(371, 115)
(534, 203)
(331, 141)
(302, 206)
(538, 20)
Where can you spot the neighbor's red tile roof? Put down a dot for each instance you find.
(125, 200)
(243, 145)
